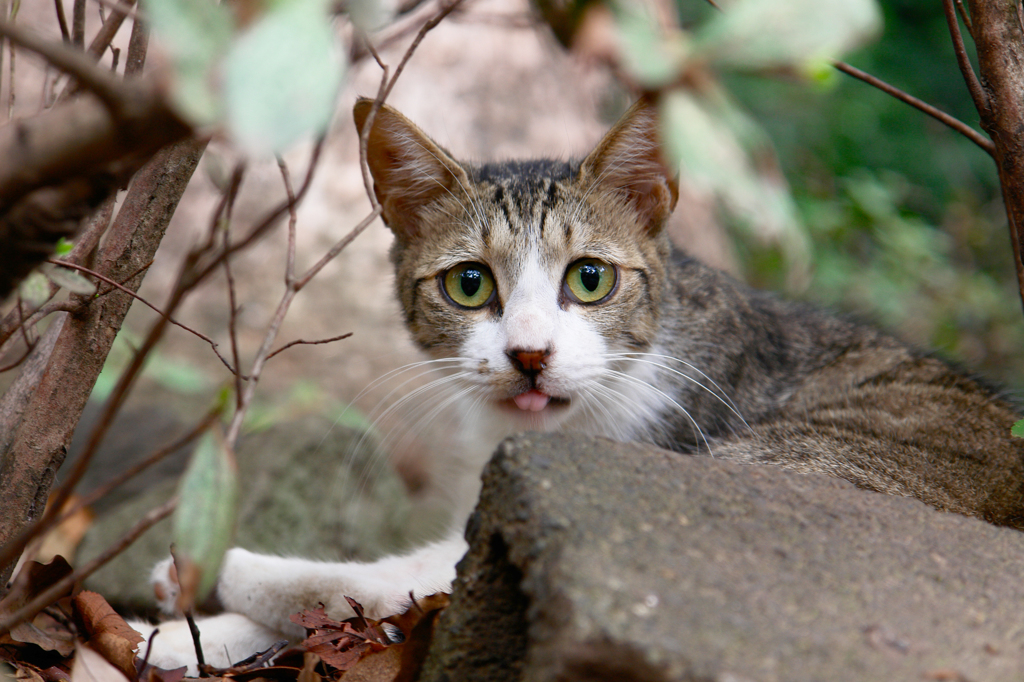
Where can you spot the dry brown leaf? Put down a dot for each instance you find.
(106, 631)
(97, 617)
(340, 644)
(381, 666)
(32, 579)
(47, 633)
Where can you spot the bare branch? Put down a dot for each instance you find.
(140, 299)
(973, 85)
(78, 24)
(941, 116)
(62, 20)
(303, 342)
(95, 79)
(965, 17)
(38, 444)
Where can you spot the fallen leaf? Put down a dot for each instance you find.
(340, 644)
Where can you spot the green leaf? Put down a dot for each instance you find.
(653, 57)
(35, 289)
(204, 521)
(1017, 430)
(723, 152)
(282, 77)
(196, 34)
(792, 34)
(73, 281)
(64, 246)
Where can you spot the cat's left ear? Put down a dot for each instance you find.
(410, 171)
(629, 162)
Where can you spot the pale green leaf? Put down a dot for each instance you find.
(204, 521)
(789, 34)
(368, 15)
(651, 55)
(74, 282)
(282, 77)
(722, 152)
(35, 289)
(1017, 429)
(196, 35)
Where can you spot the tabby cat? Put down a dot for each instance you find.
(550, 295)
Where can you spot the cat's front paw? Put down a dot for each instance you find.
(164, 579)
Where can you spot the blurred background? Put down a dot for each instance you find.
(885, 214)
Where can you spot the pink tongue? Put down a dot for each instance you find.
(532, 401)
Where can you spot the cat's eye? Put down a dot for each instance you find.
(470, 285)
(590, 280)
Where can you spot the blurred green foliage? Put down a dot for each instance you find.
(904, 215)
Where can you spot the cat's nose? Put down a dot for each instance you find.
(529, 362)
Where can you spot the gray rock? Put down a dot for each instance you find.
(592, 560)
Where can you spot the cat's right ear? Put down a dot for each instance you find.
(409, 170)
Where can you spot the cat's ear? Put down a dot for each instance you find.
(409, 170)
(629, 162)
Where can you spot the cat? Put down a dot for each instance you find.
(550, 296)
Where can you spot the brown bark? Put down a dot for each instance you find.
(44, 429)
(999, 39)
(57, 167)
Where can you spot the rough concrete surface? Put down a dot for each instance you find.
(592, 560)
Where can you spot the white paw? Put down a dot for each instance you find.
(164, 579)
(226, 639)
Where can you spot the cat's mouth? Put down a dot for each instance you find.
(534, 401)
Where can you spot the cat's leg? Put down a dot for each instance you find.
(268, 589)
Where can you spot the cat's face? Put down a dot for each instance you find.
(533, 277)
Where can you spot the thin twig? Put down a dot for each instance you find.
(232, 307)
(52, 593)
(431, 23)
(78, 24)
(289, 270)
(137, 468)
(941, 116)
(190, 619)
(269, 220)
(971, 78)
(62, 20)
(140, 299)
(965, 16)
(92, 78)
(303, 342)
(338, 248)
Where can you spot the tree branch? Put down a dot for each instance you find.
(40, 442)
(939, 115)
(973, 86)
(999, 40)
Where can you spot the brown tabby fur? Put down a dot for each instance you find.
(818, 393)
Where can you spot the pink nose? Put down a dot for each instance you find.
(529, 362)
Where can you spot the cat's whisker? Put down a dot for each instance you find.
(666, 396)
(397, 436)
(721, 395)
(377, 418)
(611, 393)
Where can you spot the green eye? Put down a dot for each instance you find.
(469, 284)
(590, 280)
